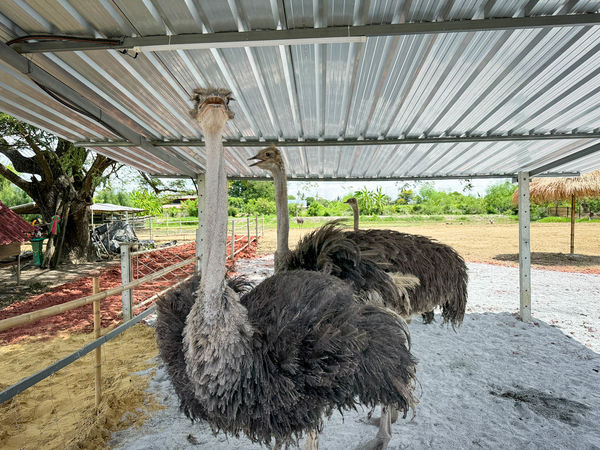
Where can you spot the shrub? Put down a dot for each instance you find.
(316, 209)
(148, 201)
(232, 211)
(264, 206)
(190, 208)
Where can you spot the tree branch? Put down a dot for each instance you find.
(18, 161)
(39, 156)
(154, 185)
(15, 179)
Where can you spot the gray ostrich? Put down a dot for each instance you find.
(328, 250)
(442, 272)
(269, 361)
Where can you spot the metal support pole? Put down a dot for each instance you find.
(150, 227)
(98, 351)
(524, 247)
(248, 231)
(127, 295)
(256, 232)
(201, 231)
(232, 238)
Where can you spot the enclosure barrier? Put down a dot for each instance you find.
(159, 228)
(23, 319)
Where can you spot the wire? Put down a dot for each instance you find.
(54, 37)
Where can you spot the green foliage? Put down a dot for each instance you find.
(295, 208)
(264, 206)
(10, 194)
(252, 190)
(190, 208)
(498, 198)
(109, 195)
(316, 209)
(172, 212)
(232, 211)
(148, 201)
(237, 203)
(429, 201)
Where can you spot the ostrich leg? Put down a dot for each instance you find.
(312, 440)
(384, 434)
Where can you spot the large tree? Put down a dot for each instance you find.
(62, 179)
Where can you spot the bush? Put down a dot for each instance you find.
(264, 206)
(148, 201)
(498, 199)
(172, 212)
(316, 209)
(295, 208)
(237, 202)
(190, 208)
(232, 211)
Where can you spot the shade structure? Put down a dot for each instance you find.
(544, 190)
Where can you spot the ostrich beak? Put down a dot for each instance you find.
(257, 162)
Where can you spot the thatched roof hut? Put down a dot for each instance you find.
(543, 190)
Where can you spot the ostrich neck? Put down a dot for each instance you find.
(355, 211)
(283, 215)
(215, 242)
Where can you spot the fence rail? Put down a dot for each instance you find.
(127, 285)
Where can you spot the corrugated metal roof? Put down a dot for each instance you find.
(13, 228)
(538, 81)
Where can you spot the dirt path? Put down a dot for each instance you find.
(498, 243)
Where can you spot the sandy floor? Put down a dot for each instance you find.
(495, 383)
(482, 243)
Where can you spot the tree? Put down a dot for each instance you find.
(252, 190)
(10, 194)
(62, 183)
(498, 198)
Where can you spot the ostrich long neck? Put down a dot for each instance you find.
(215, 243)
(355, 211)
(283, 214)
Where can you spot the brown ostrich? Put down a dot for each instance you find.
(442, 272)
(270, 361)
(299, 220)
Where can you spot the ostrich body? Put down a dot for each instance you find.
(328, 250)
(442, 272)
(299, 220)
(270, 361)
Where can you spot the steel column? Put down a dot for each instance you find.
(524, 248)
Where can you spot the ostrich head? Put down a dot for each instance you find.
(268, 159)
(211, 99)
(352, 201)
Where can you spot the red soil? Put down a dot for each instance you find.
(80, 320)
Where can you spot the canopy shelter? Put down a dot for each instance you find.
(350, 89)
(543, 190)
(109, 207)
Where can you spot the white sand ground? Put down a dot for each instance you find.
(494, 383)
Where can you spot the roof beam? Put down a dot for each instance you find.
(299, 36)
(37, 74)
(398, 178)
(565, 159)
(349, 142)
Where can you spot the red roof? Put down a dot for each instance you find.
(12, 227)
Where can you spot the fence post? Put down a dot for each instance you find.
(98, 351)
(180, 226)
(256, 231)
(150, 227)
(126, 295)
(232, 238)
(248, 229)
(167, 223)
(263, 225)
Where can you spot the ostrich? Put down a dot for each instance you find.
(299, 220)
(442, 272)
(269, 361)
(329, 250)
